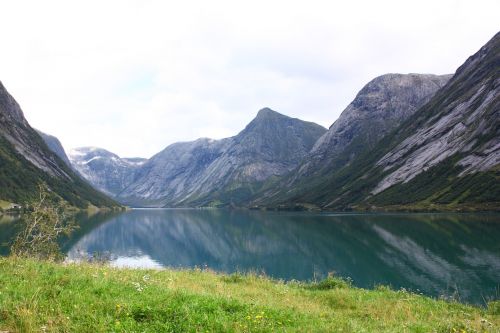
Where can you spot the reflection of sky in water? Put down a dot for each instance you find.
(438, 254)
(135, 262)
(133, 258)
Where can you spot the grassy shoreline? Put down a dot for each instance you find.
(43, 296)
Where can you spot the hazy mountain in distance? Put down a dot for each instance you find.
(104, 170)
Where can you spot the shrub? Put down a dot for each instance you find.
(43, 222)
(331, 282)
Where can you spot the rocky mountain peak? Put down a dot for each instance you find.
(9, 108)
(104, 169)
(267, 117)
(90, 152)
(267, 112)
(203, 170)
(379, 107)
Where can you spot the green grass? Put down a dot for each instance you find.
(5, 205)
(41, 296)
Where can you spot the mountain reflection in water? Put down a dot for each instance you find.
(436, 254)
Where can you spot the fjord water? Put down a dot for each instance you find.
(451, 255)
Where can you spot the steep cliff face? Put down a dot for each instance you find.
(104, 170)
(55, 145)
(16, 130)
(223, 171)
(449, 153)
(461, 119)
(26, 161)
(382, 105)
(444, 156)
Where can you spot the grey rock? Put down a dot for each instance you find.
(16, 129)
(382, 105)
(55, 145)
(464, 118)
(104, 170)
(27, 161)
(197, 172)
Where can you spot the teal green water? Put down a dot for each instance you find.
(441, 255)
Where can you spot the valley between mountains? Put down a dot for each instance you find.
(406, 142)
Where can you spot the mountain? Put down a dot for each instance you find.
(444, 156)
(449, 153)
(104, 170)
(382, 105)
(227, 171)
(26, 160)
(55, 145)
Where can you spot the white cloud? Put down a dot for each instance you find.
(135, 76)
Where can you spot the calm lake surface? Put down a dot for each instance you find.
(450, 255)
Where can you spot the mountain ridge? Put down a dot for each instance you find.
(26, 161)
(55, 145)
(218, 167)
(461, 119)
(103, 169)
(407, 140)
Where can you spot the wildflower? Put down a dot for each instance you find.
(138, 286)
(146, 278)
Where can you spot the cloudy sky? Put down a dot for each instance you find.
(135, 76)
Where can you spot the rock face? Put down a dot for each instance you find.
(463, 119)
(55, 145)
(104, 170)
(226, 171)
(382, 105)
(16, 130)
(26, 161)
(445, 155)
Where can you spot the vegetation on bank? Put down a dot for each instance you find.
(53, 297)
(438, 189)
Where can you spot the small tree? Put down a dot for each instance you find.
(43, 222)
